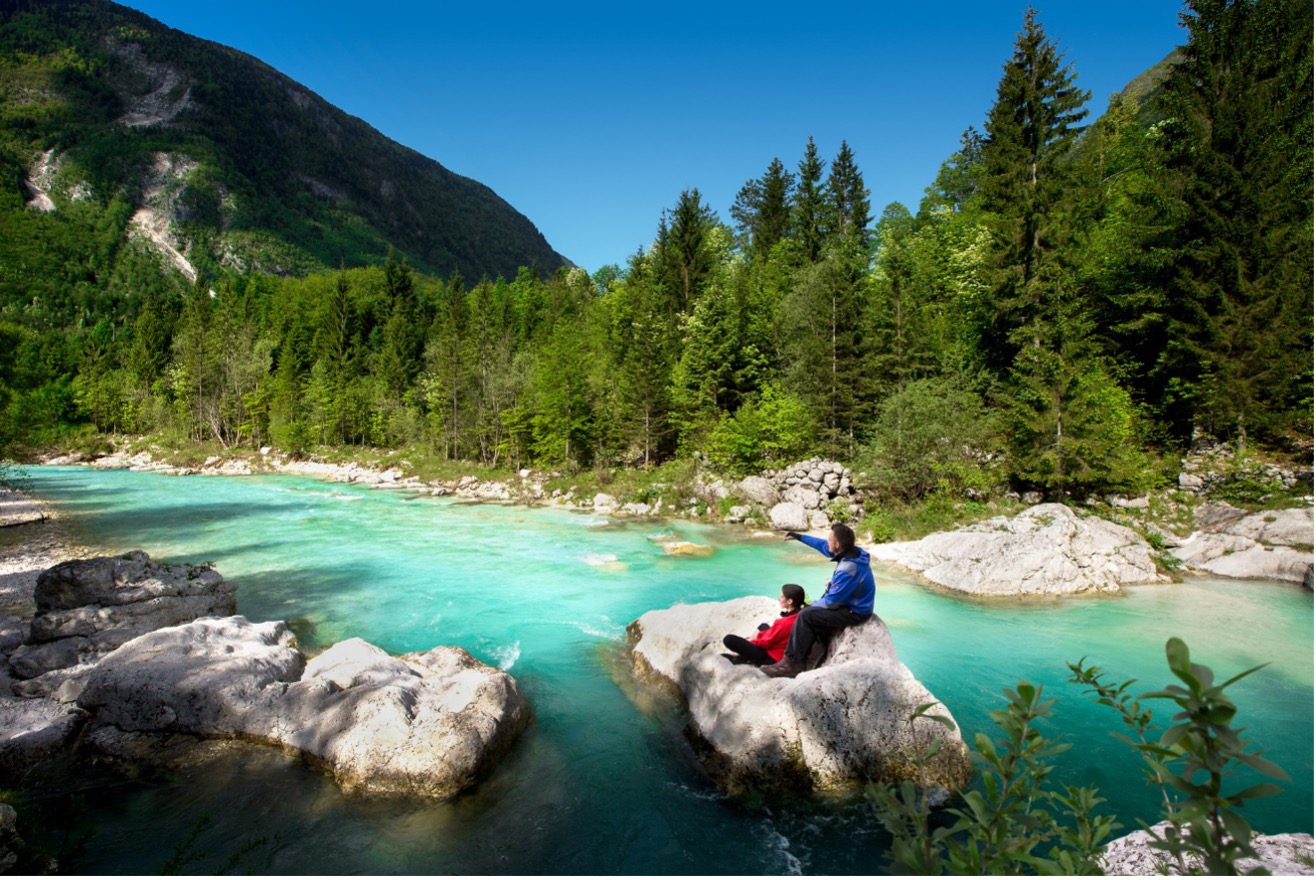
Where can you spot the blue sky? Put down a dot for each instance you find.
(590, 118)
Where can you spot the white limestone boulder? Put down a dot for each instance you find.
(789, 515)
(1270, 544)
(1133, 855)
(429, 723)
(1046, 550)
(829, 728)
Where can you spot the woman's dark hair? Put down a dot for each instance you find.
(794, 594)
(844, 536)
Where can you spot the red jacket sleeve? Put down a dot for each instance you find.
(774, 638)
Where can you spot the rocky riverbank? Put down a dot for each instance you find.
(98, 653)
(1046, 550)
(810, 494)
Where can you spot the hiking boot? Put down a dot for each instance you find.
(787, 668)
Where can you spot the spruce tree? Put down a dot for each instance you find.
(848, 208)
(1025, 181)
(762, 210)
(809, 206)
(1237, 146)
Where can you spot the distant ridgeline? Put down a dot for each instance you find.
(115, 123)
(1070, 304)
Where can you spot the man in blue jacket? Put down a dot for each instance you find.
(848, 600)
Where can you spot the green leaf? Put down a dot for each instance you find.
(1260, 790)
(1176, 653)
(1261, 765)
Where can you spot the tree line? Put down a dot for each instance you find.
(1067, 301)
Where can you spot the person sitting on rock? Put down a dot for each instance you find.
(770, 644)
(848, 600)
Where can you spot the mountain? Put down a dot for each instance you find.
(129, 128)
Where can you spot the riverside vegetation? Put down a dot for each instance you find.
(1017, 821)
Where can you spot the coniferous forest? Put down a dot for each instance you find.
(1074, 299)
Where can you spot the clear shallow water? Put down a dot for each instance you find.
(604, 782)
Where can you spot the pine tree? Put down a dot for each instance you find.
(1025, 180)
(848, 208)
(684, 258)
(809, 207)
(762, 210)
(1237, 145)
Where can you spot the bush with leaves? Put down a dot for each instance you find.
(1018, 821)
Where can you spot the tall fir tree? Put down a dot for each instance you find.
(809, 207)
(848, 208)
(1237, 146)
(1025, 182)
(762, 210)
(684, 257)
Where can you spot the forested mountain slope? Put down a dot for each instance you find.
(111, 122)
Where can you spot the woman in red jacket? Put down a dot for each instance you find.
(770, 644)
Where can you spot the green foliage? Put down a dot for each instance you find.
(937, 511)
(769, 431)
(1081, 293)
(1017, 821)
(931, 435)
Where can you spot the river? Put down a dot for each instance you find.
(604, 782)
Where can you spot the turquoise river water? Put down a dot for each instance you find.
(604, 781)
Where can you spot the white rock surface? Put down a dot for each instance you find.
(1270, 544)
(1045, 550)
(789, 515)
(759, 490)
(32, 730)
(427, 723)
(1280, 854)
(828, 728)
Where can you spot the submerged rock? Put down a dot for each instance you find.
(840, 724)
(1279, 854)
(686, 548)
(1046, 550)
(428, 723)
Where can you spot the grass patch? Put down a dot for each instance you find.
(938, 512)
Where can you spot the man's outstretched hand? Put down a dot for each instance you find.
(791, 536)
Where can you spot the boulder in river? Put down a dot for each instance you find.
(837, 725)
(1046, 550)
(428, 723)
(89, 607)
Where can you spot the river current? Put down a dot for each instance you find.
(604, 782)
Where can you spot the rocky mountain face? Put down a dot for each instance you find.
(220, 161)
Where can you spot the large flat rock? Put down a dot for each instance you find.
(834, 726)
(89, 607)
(1047, 550)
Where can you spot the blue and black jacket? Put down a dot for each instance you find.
(852, 583)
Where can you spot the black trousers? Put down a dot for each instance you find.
(751, 652)
(814, 623)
